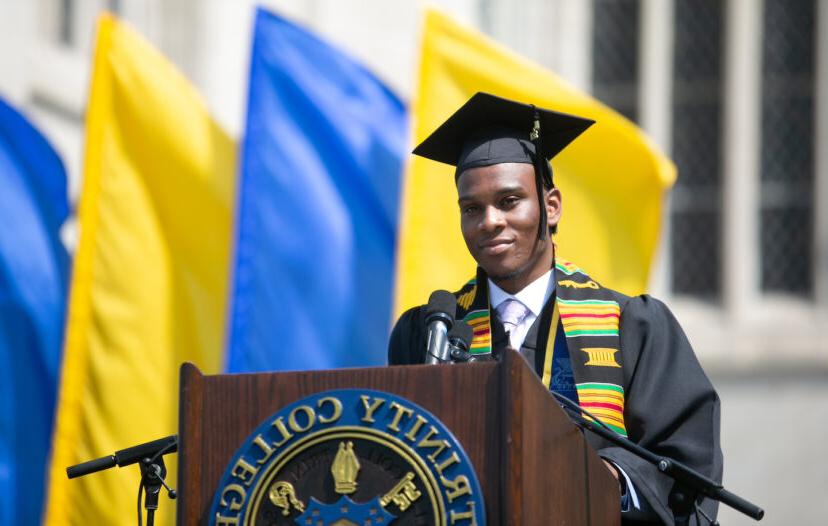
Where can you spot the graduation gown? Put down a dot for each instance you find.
(670, 406)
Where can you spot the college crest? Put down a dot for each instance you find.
(349, 457)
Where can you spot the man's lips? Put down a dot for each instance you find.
(495, 246)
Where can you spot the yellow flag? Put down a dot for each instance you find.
(612, 178)
(150, 275)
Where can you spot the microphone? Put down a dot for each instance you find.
(460, 337)
(125, 457)
(439, 319)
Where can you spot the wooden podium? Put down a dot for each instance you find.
(533, 464)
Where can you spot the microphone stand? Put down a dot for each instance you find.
(689, 483)
(150, 459)
(153, 472)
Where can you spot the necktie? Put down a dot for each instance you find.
(511, 313)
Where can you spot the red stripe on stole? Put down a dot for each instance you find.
(605, 405)
(576, 315)
(480, 332)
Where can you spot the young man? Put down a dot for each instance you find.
(625, 359)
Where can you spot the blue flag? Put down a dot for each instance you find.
(322, 161)
(33, 280)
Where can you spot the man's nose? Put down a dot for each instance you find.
(493, 219)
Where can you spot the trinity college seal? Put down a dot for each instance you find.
(350, 457)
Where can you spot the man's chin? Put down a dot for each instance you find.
(499, 275)
(509, 277)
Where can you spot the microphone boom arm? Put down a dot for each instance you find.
(689, 478)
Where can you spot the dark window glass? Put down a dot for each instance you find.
(615, 40)
(787, 152)
(692, 231)
(697, 139)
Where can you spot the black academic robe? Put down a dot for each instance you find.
(670, 406)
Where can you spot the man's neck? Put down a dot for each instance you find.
(537, 268)
(534, 295)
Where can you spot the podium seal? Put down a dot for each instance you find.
(349, 457)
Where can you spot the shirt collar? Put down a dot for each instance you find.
(534, 295)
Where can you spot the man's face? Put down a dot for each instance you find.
(499, 219)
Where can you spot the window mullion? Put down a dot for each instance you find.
(654, 102)
(742, 140)
(821, 157)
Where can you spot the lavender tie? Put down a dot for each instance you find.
(511, 313)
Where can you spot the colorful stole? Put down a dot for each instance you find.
(584, 322)
(473, 308)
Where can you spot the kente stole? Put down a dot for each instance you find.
(585, 321)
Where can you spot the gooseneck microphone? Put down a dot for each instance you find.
(125, 457)
(439, 319)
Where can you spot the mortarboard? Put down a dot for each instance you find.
(489, 130)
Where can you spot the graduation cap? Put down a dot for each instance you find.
(489, 130)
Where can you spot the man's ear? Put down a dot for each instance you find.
(554, 205)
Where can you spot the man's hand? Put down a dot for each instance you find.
(612, 469)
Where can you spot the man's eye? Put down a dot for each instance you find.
(468, 209)
(510, 201)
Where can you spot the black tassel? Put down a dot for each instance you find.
(540, 175)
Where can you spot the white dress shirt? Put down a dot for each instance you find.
(534, 296)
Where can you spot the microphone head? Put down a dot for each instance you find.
(461, 335)
(443, 305)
